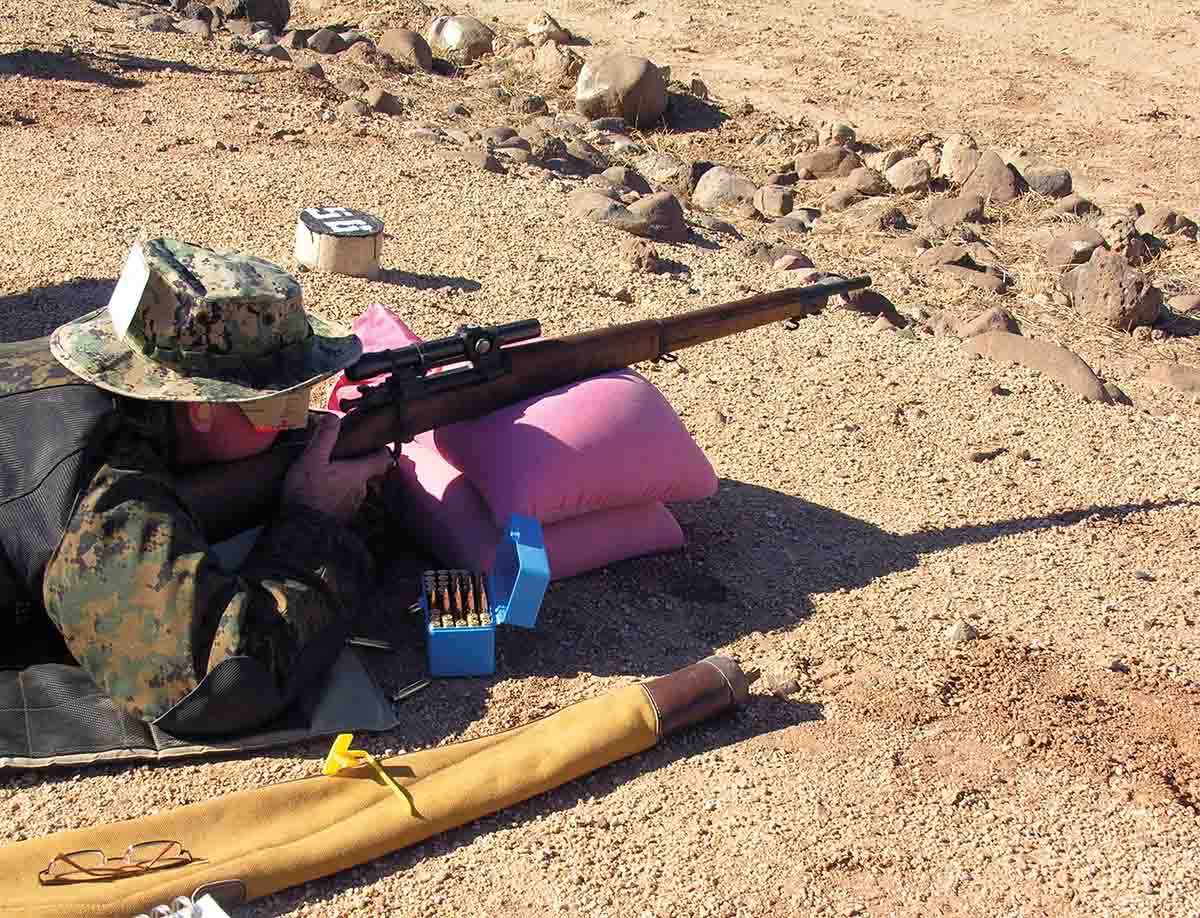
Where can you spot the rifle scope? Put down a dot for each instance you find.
(472, 342)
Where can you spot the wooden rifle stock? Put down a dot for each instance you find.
(235, 496)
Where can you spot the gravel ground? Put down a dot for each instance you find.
(1049, 766)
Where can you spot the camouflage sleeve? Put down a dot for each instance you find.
(147, 610)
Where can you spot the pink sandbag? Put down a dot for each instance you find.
(609, 441)
(444, 507)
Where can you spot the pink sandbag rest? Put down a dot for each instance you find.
(592, 461)
(441, 503)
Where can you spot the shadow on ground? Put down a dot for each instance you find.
(99, 68)
(754, 558)
(39, 311)
(428, 281)
(687, 114)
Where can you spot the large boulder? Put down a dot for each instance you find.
(995, 180)
(950, 212)
(407, 48)
(960, 156)
(461, 39)
(909, 175)
(663, 215)
(827, 162)
(1054, 361)
(276, 12)
(1073, 247)
(1110, 291)
(720, 188)
(621, 86)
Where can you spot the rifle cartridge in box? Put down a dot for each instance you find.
(462, 608)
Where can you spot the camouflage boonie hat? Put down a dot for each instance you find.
(210, 326)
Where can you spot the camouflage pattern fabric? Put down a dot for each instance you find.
(211, 326)
(146, 609)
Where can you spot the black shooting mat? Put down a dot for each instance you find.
(51, 713)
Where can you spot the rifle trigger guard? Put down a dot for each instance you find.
(792, 324)
(666, 358)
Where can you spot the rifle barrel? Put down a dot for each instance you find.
(546, 364)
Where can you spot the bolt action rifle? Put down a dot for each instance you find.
(501, 365)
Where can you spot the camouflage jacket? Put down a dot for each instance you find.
(146, 609)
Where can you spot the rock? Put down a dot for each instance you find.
(774, 201)
(262, 37)
(666, 172)
(620, 85)
(1177, 376)
(871, 303)
(884, 159)
(557, 65)
(498, 134)
(275, 13)
(406, 48)
(957, 262)
(1119, 228)
(1185, 303)
(909, 175)
(458, 110)
(1056, 362)
(588, 156)
(1111, 292)
(612, 125)
(1076, 205)
(196, 27)
(460, 39)
(1073, 247)
(1163, 221)
(995, 319)
(721, 188)
(592, 205)
(995, 180)
(515, 143)
(528, 104)
(663, 215)
(200, 11)
(912, 246)
(327, 41)
(960, 632)
(798, 222)
(383, 101)
(627, 178)
(482, 159)
(640, 256)
(157, 23)
(1050, 181)
(950, 212)
(841, 199)
(717, 226)
(354, 108)
(791, 262)
(836, 132)
(312, 69)
(353, 37)
(351, 85)
(782, 178)
(297, 39)
(275, 52)
(959, 158)
(782, 679)
(545, 28)
(1021, 740)
(866, 181)
(828, 162)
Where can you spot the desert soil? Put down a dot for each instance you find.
(1051, 766)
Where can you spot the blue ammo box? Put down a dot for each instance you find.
(475, 604)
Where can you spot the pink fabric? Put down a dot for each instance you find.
(444, 507)
(610, 441)
(379, 330)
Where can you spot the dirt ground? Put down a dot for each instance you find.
(1049, 767)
